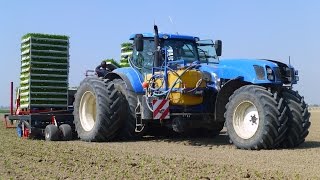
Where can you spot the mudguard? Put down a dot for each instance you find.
(132, 78)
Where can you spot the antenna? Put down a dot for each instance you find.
(174, 27)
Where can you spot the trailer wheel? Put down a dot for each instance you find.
(66, 132)
(298, 123)
(98, 110)
(255, 118)
(51, 133)
(128, 129)
(19, 130)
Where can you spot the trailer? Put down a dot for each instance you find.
(44, 101)
(51, 124)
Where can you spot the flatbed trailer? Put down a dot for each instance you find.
(34, 125)
(49, 123)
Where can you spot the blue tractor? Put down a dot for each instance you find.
(179, 82)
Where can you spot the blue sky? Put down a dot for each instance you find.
(249, 29)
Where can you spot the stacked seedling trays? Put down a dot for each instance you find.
(44, 71)
(126, 50)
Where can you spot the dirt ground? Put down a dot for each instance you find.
(156, 158)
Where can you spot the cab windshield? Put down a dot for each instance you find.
(191, 51)
(181, 50)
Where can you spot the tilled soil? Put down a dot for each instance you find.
(156, 158)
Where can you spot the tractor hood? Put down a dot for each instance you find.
(255, 71)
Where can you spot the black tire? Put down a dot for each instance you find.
(101, 120)
(271, 111)
(66, 132)
(298, 123)
(51, 133)
(128, 129)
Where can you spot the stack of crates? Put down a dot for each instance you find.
(44, 71)
(126, 51)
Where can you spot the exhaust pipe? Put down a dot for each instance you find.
(156, 62)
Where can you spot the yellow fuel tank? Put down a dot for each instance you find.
(187, 81)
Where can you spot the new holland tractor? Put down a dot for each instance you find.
(179, 82)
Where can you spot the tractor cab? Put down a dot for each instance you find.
(173, 47)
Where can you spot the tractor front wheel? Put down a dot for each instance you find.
(298, 123)
(255, 118)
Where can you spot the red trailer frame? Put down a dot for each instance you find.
(32, 123)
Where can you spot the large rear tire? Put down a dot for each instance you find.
(298, 123)
(97, 110)
(255, 118)
(128, 129)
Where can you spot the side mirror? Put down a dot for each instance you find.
(218, 47)
(138, 42)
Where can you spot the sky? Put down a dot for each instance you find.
(249, 29)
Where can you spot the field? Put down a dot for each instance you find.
(156, 158)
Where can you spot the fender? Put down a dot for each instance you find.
(131, 77)
(223, 96)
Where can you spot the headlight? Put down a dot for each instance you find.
(270, 74)
(269, 70)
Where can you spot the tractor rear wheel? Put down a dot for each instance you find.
(298, 123)
(128, 129)
(255, 118)
(97, 110)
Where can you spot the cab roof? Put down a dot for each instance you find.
(169, 36)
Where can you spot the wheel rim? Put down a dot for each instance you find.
(246, 120)
(87, 110)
